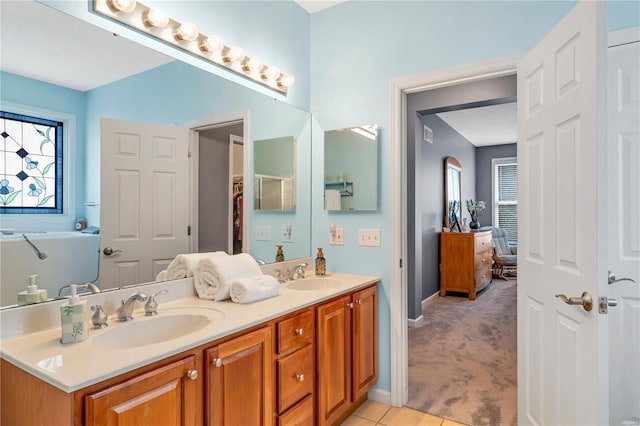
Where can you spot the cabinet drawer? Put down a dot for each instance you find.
(483, 259)
(483, 243)
(295, 377)
(483, 277)
(300, 415)
(294, 331)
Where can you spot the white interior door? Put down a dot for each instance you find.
(563, 349)
(624, 229)
(144, 199)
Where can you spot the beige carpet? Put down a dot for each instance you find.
(462, 360)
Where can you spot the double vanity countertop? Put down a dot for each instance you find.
(117, 349)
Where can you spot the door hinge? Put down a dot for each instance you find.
(401, 263)
(188, 230)
(189, 153)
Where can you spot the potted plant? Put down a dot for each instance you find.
(475, 208)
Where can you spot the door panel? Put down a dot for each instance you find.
(562, 217)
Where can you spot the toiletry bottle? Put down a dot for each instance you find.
(33, 294)
(73, 317)
(279, 254)
(321, 264)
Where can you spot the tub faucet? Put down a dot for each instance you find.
(88, 286)
(126, 308)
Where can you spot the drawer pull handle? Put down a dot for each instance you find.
(300, 377)
(359, 301)
(192, 374)
(350, 305)
(299, 331)
(217, 362)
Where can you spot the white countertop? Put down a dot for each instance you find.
(74, 366)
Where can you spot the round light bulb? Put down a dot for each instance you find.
(270, 72)
(252, 64)
(155, 18)
(186, 31)
(286, 80)
(233, 54)
(211, 44)
(121, 5)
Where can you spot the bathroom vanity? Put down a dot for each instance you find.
(307, 356)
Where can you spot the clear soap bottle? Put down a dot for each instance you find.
(321, 263)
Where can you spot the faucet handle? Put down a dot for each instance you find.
(151, 307)
(99, 319)
(279, 275)
(300, 270)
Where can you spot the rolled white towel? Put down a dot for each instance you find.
(253, 289)
(184, 264)
(217, 273)
(162, 275)
(205, 290)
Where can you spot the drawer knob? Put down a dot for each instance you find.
(299, 331)
(300, 377)
(350, 305)
(359, 301)
(217, 362)
(192, 374)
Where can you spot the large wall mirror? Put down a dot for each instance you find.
(351, 168)
(452, 191)
(168, 93)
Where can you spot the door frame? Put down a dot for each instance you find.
(208, 123)
(401, 87)
(234, 139)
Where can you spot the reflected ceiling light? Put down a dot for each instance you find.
(211, 44)
(187, 31)
(232, 54)
(155, 18)
(186, 37)
(252, 64)
(116, 6)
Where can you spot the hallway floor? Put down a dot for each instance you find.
(375, 413)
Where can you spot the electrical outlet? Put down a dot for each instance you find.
(369, 237)
(337, 238)
(263, 233)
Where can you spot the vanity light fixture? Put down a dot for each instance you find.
(186, 37)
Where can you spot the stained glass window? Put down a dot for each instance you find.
(30, 164)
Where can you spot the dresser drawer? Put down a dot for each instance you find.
(483, 277)
(483, 259)
(295, 331)
(483, 243)
(300, 415)
(295, 377)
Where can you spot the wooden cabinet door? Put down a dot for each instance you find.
(365, 340)
(334, 359)
(164, 396)
(239, 381)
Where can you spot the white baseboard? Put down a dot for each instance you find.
(430, 299)
(412, 323)
(380, 395)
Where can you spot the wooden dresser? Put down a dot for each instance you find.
(465, 262)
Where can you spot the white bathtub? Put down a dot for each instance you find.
(72, 257)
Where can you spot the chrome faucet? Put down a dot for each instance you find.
(124, 311)
(151, 307)
(88, 286)
(297, 270)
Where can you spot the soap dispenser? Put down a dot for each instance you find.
(279, 254)
(321, 263)
(33, 294)
(73, 317)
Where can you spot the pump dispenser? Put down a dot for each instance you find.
(279, 254)
(73, 317)
(321, 263)
(32, 295)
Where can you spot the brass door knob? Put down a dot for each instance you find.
(585, 300)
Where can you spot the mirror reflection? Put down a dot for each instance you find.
(351, 168)
(452, 193)
(274, 174)
(166, 93)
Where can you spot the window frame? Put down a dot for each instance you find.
(495, 163)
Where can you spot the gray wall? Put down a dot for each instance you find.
(425, 181)
(484, 155)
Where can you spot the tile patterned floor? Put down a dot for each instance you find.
(375, 413)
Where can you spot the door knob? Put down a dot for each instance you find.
(585, 300)
(217, 362)
(108, 251)
(192, 374)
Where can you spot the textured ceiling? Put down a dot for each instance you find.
(41, 43)
(482, 126)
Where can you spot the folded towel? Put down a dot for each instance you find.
(162, 276)
(332, 199)
(253, 289)
(216, 273)
(183, 265)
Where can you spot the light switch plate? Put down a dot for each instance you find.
(369, 237)
(337, 238)
(287, 234)
(263, 233)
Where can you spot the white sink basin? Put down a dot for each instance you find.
(147, 331)
(316, 283)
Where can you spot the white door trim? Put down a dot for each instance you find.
(212, 122)
(400, 87)
(233, 139)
